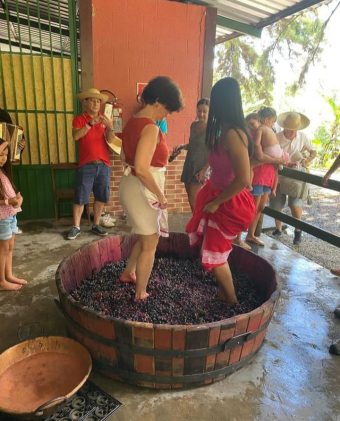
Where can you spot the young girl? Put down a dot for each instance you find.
(196, 161)
(10, 203)
(267, 151)
(253, 123)
(224, 206)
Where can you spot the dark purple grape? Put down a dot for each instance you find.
(180, 293)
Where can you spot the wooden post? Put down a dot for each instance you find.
(209, 51)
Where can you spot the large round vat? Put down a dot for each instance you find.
(162, 355)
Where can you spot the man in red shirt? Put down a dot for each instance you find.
(92, 130)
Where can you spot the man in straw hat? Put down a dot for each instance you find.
(93, 131)
(295, 143)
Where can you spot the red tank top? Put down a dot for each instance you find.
(131, 135)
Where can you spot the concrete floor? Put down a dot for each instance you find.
(292, 377)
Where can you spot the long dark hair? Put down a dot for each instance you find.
(225, 112)
(6, 169)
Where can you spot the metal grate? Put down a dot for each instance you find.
(90, 403)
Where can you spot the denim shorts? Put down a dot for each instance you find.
(92, 178)
(259, 190)
(8, 227)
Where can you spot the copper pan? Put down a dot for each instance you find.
(41, 373)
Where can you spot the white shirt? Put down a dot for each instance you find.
(299, 144)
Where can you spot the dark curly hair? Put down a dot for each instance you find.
(164, 90)
(225, 113)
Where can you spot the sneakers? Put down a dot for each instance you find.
(98, 230)
(73, 233)
(297, 237)
(277, 233)
(107, 221)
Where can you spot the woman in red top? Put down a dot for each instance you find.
(141, 189)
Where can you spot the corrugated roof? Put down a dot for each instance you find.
(238, 17)
(43, 26)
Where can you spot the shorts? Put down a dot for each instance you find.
(259, 190)
(92, 178)
(8, 228)
(278, 202)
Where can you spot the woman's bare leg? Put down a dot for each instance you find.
(129, 273)
(225, 282)
(148, 244)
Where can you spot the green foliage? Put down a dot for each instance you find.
(297, 39)
(253, 71)
(327, 138)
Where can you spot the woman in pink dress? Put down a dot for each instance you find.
(224, 206)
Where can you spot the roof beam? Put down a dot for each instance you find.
(239, 26)
(298, 7)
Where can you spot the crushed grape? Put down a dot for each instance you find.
(180, 293)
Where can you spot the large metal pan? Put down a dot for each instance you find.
(39, 374)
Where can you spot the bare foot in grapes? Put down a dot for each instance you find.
(141, 296)
(128, 277)
(222, 296)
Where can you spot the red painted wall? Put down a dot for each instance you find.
(136, 40)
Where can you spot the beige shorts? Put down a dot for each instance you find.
(141, 216)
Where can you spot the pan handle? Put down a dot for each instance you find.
(40, 410)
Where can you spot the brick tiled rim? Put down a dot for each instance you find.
(160, 355)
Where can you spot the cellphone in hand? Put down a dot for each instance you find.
(108, 110)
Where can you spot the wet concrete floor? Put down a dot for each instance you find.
(292, 377)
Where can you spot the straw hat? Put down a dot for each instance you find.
(293, 121)
(115, 145)
(92, 93)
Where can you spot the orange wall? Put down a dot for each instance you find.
(136, 40)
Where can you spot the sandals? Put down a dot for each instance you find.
(242, 244)
(255, 240)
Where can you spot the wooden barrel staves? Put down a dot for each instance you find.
(160, 355)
